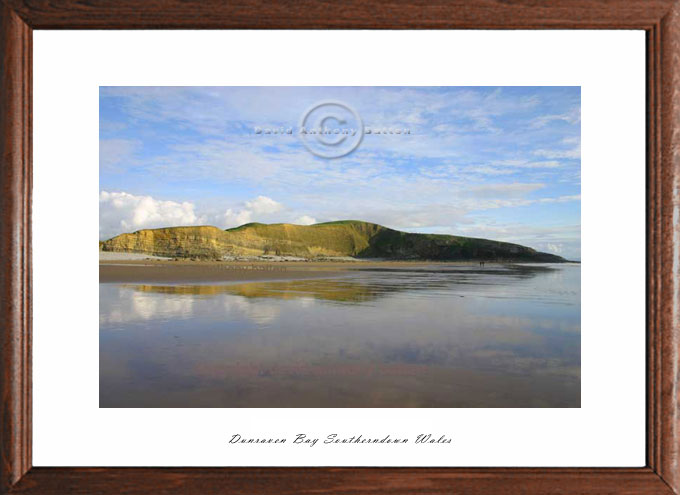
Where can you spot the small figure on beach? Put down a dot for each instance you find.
(481, 263)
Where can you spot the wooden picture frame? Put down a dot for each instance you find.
(661, 21)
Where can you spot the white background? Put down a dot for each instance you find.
(69, 67)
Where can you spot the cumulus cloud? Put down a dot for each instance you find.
(262, 205)
(305, 220)
(123, 212)
(259, 209)
(234, 218)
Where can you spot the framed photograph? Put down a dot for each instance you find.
(342, 247)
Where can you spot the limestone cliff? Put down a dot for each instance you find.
(185, 242)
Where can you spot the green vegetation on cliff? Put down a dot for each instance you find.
(344, 238)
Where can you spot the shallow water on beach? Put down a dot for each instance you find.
(421, 336)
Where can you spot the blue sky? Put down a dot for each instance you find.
(494, 162)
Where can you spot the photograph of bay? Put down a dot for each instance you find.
(332, 247)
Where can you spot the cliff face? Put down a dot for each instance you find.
(184, 242)
(325, 239)
(346, 238)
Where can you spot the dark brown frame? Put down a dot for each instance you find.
(661, 21)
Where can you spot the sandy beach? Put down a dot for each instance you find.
(140, 268)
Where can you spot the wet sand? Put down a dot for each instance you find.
(347, 334)
(184, 271)
(198, 272)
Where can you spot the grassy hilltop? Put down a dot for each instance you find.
(344, 238)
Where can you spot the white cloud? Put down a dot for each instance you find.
(554, 248)
(231, 218)
(123, 212)
(573, 153)
(573, 116)
(259, 209)
(305, 220)
(485, 170)
(499, 191)
(526, 164)
(262, 205)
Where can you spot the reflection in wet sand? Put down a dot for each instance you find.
(331, 290)
(432, 337)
